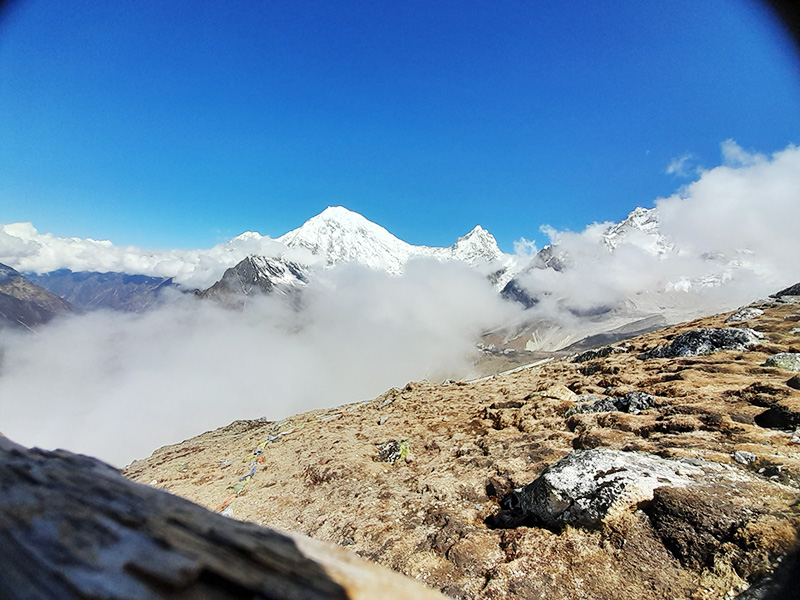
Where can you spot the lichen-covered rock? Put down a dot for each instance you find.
(743, 457)
(599, 353)
(632, 402)
(393, 450)
(784, 360)
(586, 485)
(744, 314)
(705, 341)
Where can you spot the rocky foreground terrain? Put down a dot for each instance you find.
(666, 467)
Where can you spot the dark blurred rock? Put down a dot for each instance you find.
(72, 527)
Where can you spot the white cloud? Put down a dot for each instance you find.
(525, 248)
(733, 155)
(27, 250)
(729, 237)
(117, 385)
(746, 210)
(682, 166)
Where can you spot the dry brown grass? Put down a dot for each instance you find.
(472, 442)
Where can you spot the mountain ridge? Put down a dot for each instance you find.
(341, 235)
(25, 305)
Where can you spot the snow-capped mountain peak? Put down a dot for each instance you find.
(257, 274)
(640, 228)
(341, 235)
(247, 236)
(478, 244)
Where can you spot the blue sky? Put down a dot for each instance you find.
(181, 124)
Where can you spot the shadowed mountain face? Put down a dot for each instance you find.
(24, 304)
(90, 290)
(257, 275)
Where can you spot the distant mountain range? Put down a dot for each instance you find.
(89, 290)
(339, 236)
(335, 236)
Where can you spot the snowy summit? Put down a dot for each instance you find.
(341, 236)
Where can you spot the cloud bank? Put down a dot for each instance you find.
(27, 250)
(725, 239)
(118, 386)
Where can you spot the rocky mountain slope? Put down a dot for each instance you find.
(668, 467)
(257, 275)
(90, 290)
(25, 305)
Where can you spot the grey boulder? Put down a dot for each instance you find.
(744, 314)
(703, 341)
(585, 486)
(784, 360)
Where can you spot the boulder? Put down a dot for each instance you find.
(393, 450)
(784, 360)
(586, 485)
(557, 392)
(703, 341)
(632, 402)
(599, 353)
(743, 457)
(744, 314)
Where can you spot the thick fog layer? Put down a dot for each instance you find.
(118, 385)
